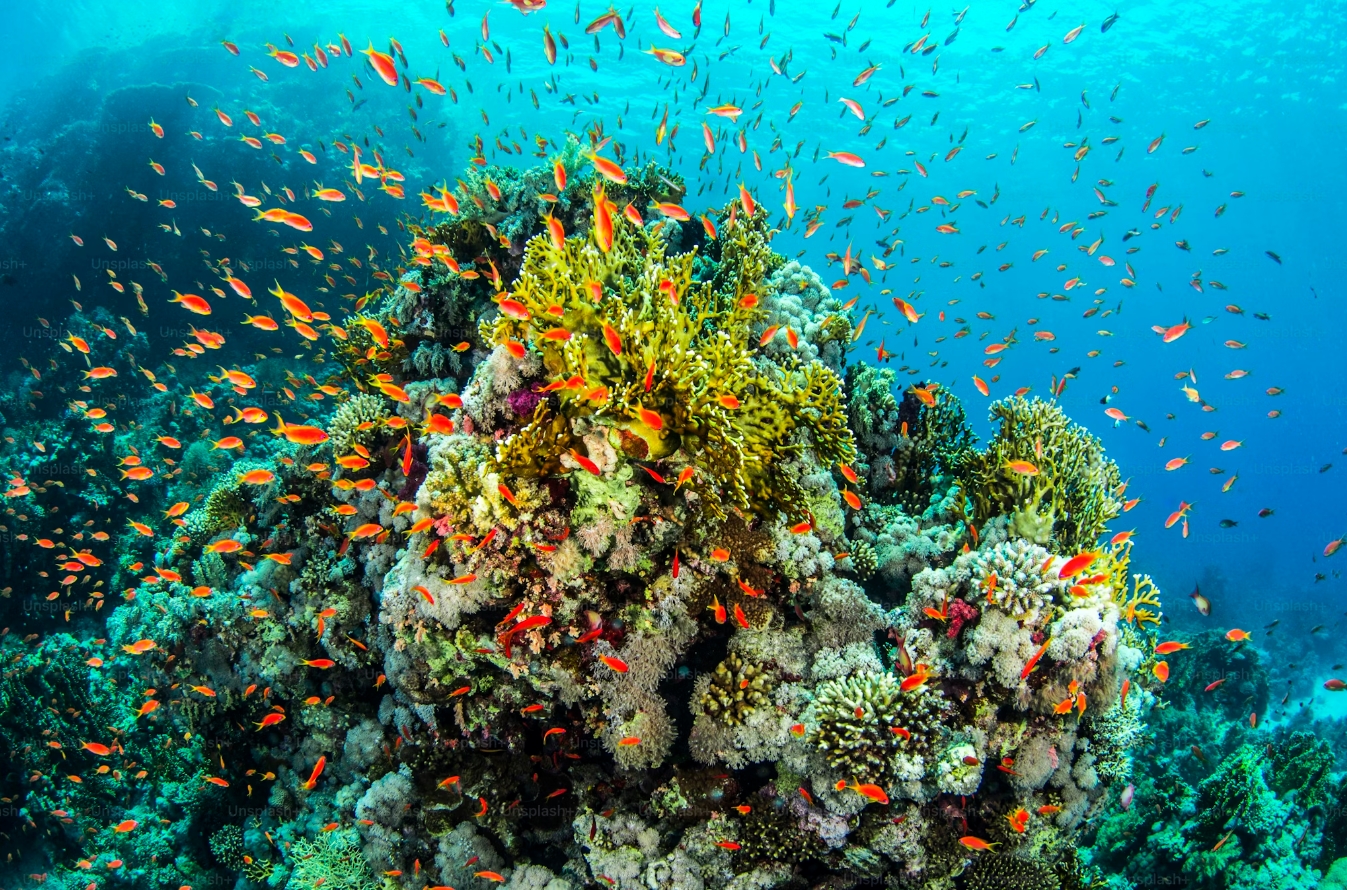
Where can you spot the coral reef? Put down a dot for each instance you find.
(586, 567)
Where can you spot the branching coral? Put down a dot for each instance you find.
(1047, 473)
(1012, 576)
(333, 860)
(771, 833)
(627, 336)
(1010, 871)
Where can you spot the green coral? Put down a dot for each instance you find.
(606, 496)
(1238, 793)
(738, 419)
(258, 871)
(455, 476)
(1070, 495)
(1008, 871)
(858, 718)
(1302, 764)
(334, 860)
(668, 799)
(737, 689)
(226, 845)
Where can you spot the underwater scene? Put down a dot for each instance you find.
(713, 445)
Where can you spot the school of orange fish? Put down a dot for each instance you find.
(879, 96)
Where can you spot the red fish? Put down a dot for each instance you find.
(317, 771)
(616, 664)
(1077, 564)
(1033, 660)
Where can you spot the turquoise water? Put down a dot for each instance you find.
(986, 220)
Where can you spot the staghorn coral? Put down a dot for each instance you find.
(333, 860)
(1070, 496)
(631, 313)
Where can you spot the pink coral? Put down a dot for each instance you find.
(523, 401)
(960, 613)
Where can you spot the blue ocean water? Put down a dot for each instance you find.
(1232, 112)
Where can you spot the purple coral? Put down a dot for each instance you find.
(523, 401)
(960, 613)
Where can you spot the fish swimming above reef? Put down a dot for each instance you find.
(553, 467)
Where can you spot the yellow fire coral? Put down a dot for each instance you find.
(1138, 602)
(630, 338)
(1048, 474)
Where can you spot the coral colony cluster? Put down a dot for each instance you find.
(608, 568)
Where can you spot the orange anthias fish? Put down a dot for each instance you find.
(616, 664)
(865, 789)
(1077, 564)
(974, 843)
(383, 65)
(270, 720)
(1034, 659)
(317, 771)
